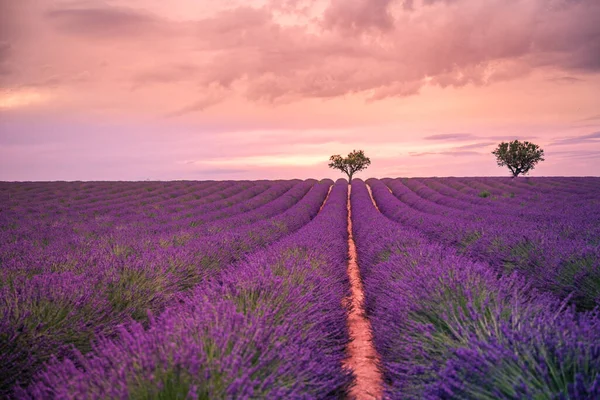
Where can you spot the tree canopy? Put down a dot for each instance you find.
(519, 157)
(356, 161)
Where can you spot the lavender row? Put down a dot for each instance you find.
(178, 212)
(45, 311)
(59, 243)
(515, 195)
(563, 267)
(268, 204)
(70, 195)
(249, 207)
(543, 195)
(570, 185)
(41, 213)
(527, 185)
(578, 222)
(448, 328)
(508, 200)
(174, 211)
(270, 327)
(168, 192)
(171, 204)
(444, 190)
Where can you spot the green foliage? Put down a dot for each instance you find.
(43, 319)
(134, 291)
(519, 157)
(172, 385)
(579, 275)
(258, 301)
(484, 194)
(469, 238)
(356, 161)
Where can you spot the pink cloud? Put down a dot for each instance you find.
(357, 16)
(106, 23)
(302, 76)
(400, 47)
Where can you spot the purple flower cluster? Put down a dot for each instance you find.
(447, 326)
(70, 276)
(552, 238)
(270, 326)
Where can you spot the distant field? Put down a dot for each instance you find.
(474, 288)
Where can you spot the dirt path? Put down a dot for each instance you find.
(362, 356)
(372, 198)
(326, 197)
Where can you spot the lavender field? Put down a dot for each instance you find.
(474, 288)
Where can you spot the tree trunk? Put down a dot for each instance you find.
(349, 178)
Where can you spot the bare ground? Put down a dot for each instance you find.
(362, 357)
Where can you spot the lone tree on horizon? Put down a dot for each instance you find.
(519, 157)
(356, 161)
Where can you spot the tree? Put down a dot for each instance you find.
(519, 157)
(356, 161)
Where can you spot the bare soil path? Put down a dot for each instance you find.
(362, 356)
(326, 198)
(372, 198)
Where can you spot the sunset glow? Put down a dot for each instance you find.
(16, 99)
(146, 89)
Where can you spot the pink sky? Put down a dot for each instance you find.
(232, 89)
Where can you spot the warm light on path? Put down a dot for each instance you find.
(371, 196)
(362, 357)
(326, 198)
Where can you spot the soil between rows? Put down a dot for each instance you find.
(362, 358)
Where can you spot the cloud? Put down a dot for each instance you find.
(463, 137)
(399, 49)
(566, 80)
(14, 99)
(4, 56)
(590, 138)
(476, 145)
(460, 153)
(105, 22)
(4, 51)
(290, 50)
(451, 137)
(165, 74)
(457, 151)
(579, 154)
(222, 171)
(592, 118)
(421, 154)
(276, 159)
(454, 153)
(358, 15)
(211, 97)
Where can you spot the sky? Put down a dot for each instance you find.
(269, 89)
